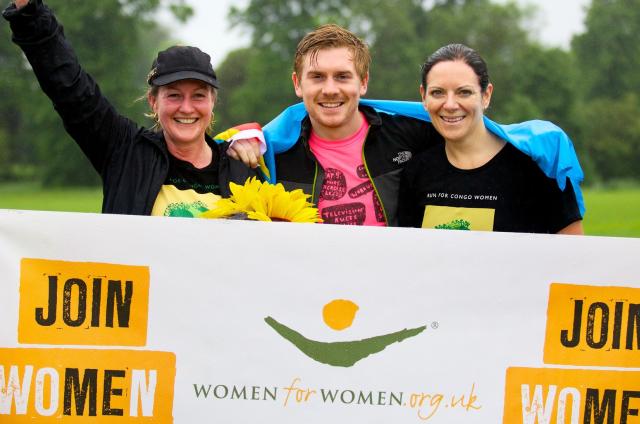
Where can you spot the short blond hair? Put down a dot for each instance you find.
(333, 36)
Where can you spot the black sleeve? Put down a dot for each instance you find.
(410, 211)
(86, 114)
(562, 208)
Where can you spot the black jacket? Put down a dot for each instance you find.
(132, 161)
(391, 142)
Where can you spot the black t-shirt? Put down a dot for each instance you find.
(508, 193)
(184, 176)
(188, 191)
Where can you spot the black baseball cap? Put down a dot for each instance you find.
(180, 63)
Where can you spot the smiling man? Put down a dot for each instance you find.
(348, 157)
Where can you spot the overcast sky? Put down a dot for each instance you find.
(558, 20)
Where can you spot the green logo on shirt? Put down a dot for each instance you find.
(185, 210)
(456, 224)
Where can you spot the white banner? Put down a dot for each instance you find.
(167, 320)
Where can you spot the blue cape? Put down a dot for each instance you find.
(547, 144)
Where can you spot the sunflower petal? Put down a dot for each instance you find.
(263, 201)
(258, 216)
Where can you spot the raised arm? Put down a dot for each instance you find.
(86, 114)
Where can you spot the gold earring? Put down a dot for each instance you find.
(212, 122)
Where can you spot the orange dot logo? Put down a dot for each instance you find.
(339, 314)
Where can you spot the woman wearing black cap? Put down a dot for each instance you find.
(177, 170)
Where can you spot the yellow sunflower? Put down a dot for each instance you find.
(265, 202)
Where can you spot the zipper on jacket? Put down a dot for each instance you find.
(373, 184)
(313, 187)
(314, 199)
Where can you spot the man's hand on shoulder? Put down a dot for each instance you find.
(246, 150)
(247, 143)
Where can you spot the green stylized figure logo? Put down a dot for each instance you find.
(339, 315)
(185, 210)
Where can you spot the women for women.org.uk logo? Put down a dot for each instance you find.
(339, 315)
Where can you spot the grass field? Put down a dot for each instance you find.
(613, 212)
(609, 212)
(29, 196)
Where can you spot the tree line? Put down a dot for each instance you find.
(591, 90)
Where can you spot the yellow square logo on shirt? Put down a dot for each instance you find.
(174, 202)
(453, 218)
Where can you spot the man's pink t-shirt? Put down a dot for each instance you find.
(347, 196)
